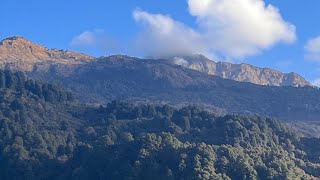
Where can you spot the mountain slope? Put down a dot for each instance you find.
(241, 72)
(19, 53)
(156, 81)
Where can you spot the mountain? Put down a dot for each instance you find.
(19, 53)
(101, 80)
(46, 134)
(241, 72)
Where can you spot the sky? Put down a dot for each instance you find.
(284, 35)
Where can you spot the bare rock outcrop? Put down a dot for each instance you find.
(241, 72)
(18, 53)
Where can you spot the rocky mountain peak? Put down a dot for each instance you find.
(19, 48)
(20, 53)
(241, 72)
(13, 39)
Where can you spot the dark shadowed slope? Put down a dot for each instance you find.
(156, 81)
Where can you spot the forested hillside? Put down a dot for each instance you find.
(45, 134)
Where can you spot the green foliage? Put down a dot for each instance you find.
(46, 135)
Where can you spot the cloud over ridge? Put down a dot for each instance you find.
(230, 28)
(95, 40)
(164, 36)
(312, 50)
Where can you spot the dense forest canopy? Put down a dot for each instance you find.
(46, 134)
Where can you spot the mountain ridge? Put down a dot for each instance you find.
(241, 72)
(19, 53)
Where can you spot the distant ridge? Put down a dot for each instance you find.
(241, 72)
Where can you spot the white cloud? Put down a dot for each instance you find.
(163, 36)
(312, 50)
(180, 61)
(231, 28)
(316, 82)
(96, 40)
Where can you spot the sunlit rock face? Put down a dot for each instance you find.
(241, 72)
(18, 53)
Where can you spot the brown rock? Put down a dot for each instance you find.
(21, 54)
(242, 72)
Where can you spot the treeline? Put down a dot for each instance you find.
(16, 81)
(46, 136)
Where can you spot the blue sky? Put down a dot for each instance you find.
(121, 26)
